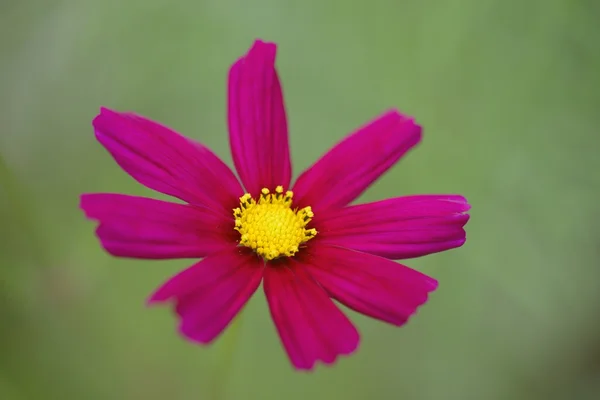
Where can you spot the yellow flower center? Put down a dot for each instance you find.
(270, 226)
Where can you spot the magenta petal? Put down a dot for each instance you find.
(368, 284)
(139, 227)
(310, 325)
(398, 228)
(342, 174)
(257, 122)
(163, 160)
(209, 294)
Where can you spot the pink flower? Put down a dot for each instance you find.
(308, 244)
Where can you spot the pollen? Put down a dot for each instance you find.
(270, 226)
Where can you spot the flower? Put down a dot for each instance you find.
(307, 245)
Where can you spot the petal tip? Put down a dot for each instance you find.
(432, 285)
(150, 302)
(83, 199)
(163, 293)
(260, 44)
(156, 298)
(261, 54)
(467, 205)
(416, 130)
(463, 205)
(104, 112)
(352, 347)
(405, 125)
(86, 204)
(192, 336)
(102, 117)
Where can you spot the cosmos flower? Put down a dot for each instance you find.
(304, 242)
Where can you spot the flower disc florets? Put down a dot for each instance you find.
(270, 226)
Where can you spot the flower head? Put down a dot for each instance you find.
(305, 243)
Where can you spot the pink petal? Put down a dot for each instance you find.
(311, 327)
(257, 122)
(342, 174)
(139, 227)
(368, 284)
(163, 160)
(209, 294)
(398, 228)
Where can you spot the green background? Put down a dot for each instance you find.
(507, 92)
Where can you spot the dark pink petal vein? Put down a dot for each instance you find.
(371, 285)
(398, 228)
(257, 122)
(209, 294)
(310, 325)
(163, 160)
(139, 227)
(343, 173)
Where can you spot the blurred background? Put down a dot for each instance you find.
(508, 92)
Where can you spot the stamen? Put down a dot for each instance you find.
(270, 226)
